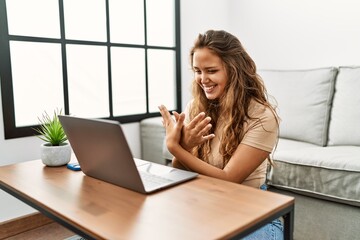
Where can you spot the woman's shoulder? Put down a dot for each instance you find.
(257, 109)
(188, 106)
(189, 103)
(265, 113)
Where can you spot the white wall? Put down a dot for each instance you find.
(197, 16)
(298, 34)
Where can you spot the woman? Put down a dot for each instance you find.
(229, 128)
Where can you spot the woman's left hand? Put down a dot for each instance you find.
(196, 131)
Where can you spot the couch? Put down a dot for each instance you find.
(317, 158)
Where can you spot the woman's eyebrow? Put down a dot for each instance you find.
(206, 68)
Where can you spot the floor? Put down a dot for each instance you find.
(52, 231)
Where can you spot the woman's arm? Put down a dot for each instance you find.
(178, 164)
(243, 162)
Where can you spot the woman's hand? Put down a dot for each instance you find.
(172, 128)
(196, 132)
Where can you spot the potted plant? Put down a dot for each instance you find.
(55, 151)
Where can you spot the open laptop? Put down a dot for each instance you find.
(102, 151)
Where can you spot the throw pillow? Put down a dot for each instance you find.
(345, 114)
(303, 99)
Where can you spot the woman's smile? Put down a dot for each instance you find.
(209, 89)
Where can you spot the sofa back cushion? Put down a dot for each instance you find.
(303, 98)
(345, 114)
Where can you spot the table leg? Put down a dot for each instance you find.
(289, 225)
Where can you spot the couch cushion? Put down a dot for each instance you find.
(345, 114)
(288, 144)
(331, 173)
(304, 99)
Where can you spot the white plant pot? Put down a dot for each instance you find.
(55, 155)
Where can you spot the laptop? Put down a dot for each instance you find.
(102, 151)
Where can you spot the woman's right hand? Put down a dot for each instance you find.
(172, 127)
(195, 132)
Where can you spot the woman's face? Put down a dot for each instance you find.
(210, 73)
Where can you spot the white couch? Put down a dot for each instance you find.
(318, 154)
(317, 158)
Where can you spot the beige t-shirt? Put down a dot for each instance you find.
(260, 133)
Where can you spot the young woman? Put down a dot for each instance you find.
(229, 128)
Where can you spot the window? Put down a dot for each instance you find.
(111, 59)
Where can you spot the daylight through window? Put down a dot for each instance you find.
(91, 58)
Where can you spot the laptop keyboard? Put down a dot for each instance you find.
(150, 180)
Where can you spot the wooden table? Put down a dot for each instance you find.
(203, 208)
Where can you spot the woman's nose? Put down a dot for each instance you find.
(203, 77)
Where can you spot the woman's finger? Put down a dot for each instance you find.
(176, 115)
(165, 115)
(180, 121)
(198, 118)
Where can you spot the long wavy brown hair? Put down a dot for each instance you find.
(243, 85)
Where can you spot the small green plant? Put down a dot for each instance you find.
(51, 130)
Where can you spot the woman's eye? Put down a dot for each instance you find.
(197, 71)
(212, 71)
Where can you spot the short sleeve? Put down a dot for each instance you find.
(262, 130)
